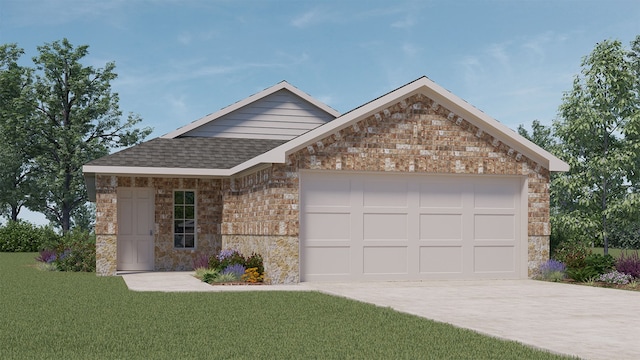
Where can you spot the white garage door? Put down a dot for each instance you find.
(410, 227)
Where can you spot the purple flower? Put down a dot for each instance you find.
(552, 266)
(47, 256)
(225, 254)
(235, 269)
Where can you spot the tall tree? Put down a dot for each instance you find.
(16, 108)
(599, 128)
(77, 119)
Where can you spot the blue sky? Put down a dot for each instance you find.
(179, 60)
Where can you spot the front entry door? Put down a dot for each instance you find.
(135, 229)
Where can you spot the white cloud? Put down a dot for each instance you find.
(185, 38)
(410, 50)
(308, 18)
(406, 23)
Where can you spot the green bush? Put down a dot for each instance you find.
(582, 274)
(601, 264)
(75, 251)
(22, 236)
(582, 265)
(573, 254)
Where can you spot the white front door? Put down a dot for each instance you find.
(135, 229)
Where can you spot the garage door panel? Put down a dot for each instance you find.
(327, 226)
(383, 260)
(327, 191)
(494, 227)
(496, 195)
(327, 261)
(441, 195)
(385, 226)
(494, 259)
(385, 194)
(440, 226)
(441, 260)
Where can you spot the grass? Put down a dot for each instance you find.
(53, 315)
(613, 252)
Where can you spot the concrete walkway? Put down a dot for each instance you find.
(592, 323)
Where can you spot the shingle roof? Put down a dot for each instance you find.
(189, 152)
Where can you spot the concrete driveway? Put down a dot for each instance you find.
(589, 322)
(592, 323)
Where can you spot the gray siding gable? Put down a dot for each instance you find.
(281, 115)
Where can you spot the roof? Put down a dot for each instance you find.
(431, 90)
(150, 162)
(191, 152)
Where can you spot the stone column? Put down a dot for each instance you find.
(106, 225)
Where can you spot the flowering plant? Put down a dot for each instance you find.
(552, 270)
(615, 277)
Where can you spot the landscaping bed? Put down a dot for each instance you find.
(576, 263)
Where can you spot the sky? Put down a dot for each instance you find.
(179, 60)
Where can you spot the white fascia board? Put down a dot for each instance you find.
(255, 97)
(156, 171)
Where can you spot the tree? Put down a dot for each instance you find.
(599, 128)
(77, 119)
(541, 135)
(16, 107)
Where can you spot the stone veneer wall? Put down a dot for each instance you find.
(208, 220)
(415, 135)
(106, 225)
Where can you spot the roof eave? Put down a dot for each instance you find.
(155, 171)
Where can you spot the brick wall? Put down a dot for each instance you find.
(415, 135)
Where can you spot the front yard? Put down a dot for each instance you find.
(52, 315)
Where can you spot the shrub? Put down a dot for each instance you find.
(231, 261)
(201, 261)
(225, 258)
(573, 254)
(629, 264)
(583, 274)
(47, 256)
(552, 270)
(75, 251)
(255, 261)
(225, 277)
(252, 275)
(207, 275)
(592, 266)
(235, 269)
(615, 277)
(600, 263)
(22, 236)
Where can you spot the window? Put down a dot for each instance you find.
(184, 219)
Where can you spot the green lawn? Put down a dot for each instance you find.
(53, 315)
(613, 252)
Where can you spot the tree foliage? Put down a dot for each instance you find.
(71, 116)
(599, 135)
(16, 104)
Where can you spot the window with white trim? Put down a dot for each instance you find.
(184, 219)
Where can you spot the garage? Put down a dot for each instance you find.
(381, 226)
